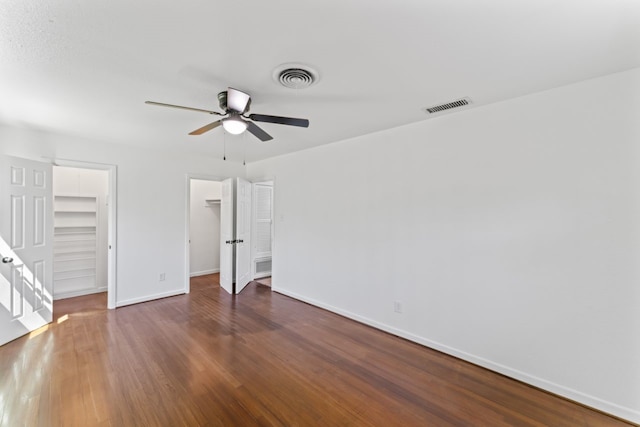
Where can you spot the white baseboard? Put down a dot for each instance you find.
(204, 272)
(571, 394)
(78, 293)
(148, 298)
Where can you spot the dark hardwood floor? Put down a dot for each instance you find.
(259, 358)
(266, 281)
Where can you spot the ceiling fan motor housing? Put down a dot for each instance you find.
(222, 100)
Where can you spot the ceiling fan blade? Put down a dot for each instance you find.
(303, 123)
(258, 132)
(206, 128)
(237, 100)
(161, 104)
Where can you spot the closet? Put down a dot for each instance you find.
(204, 227)
(80, 231)
(74, 244)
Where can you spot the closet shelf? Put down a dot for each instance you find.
(77, 240)
(74, 251)
(78, 258)
(72, 233)
(78, 276)
(67, 270)
(75, 197)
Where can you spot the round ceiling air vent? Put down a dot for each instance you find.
(295, 76)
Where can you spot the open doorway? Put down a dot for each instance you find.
(84, 230)
(204, 229)
(228, 235)
(202, 254)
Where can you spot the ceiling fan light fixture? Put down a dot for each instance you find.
(234, 125)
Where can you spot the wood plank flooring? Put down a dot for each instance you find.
(257, 359)
(266, 281)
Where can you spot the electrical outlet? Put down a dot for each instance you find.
(162, 277)
(397, 306)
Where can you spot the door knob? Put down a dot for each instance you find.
(7, 260)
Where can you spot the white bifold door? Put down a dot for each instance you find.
(26, 247)
(226, 235)
(235, 235)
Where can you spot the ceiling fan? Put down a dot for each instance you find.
(235, 104)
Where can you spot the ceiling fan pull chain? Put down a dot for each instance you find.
(244, 149)
(224, 139)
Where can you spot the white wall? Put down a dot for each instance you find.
(510, 233)
(88, 182)
(204, 227)
(151, 204)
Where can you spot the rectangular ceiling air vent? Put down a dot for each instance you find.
(448, 106)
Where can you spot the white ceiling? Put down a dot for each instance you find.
(86, 68)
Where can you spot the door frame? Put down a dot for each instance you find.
(187, 222)
(112, 200)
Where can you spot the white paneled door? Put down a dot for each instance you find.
(235, 235)
(243, 234)
(226, 235)
(26, 247)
